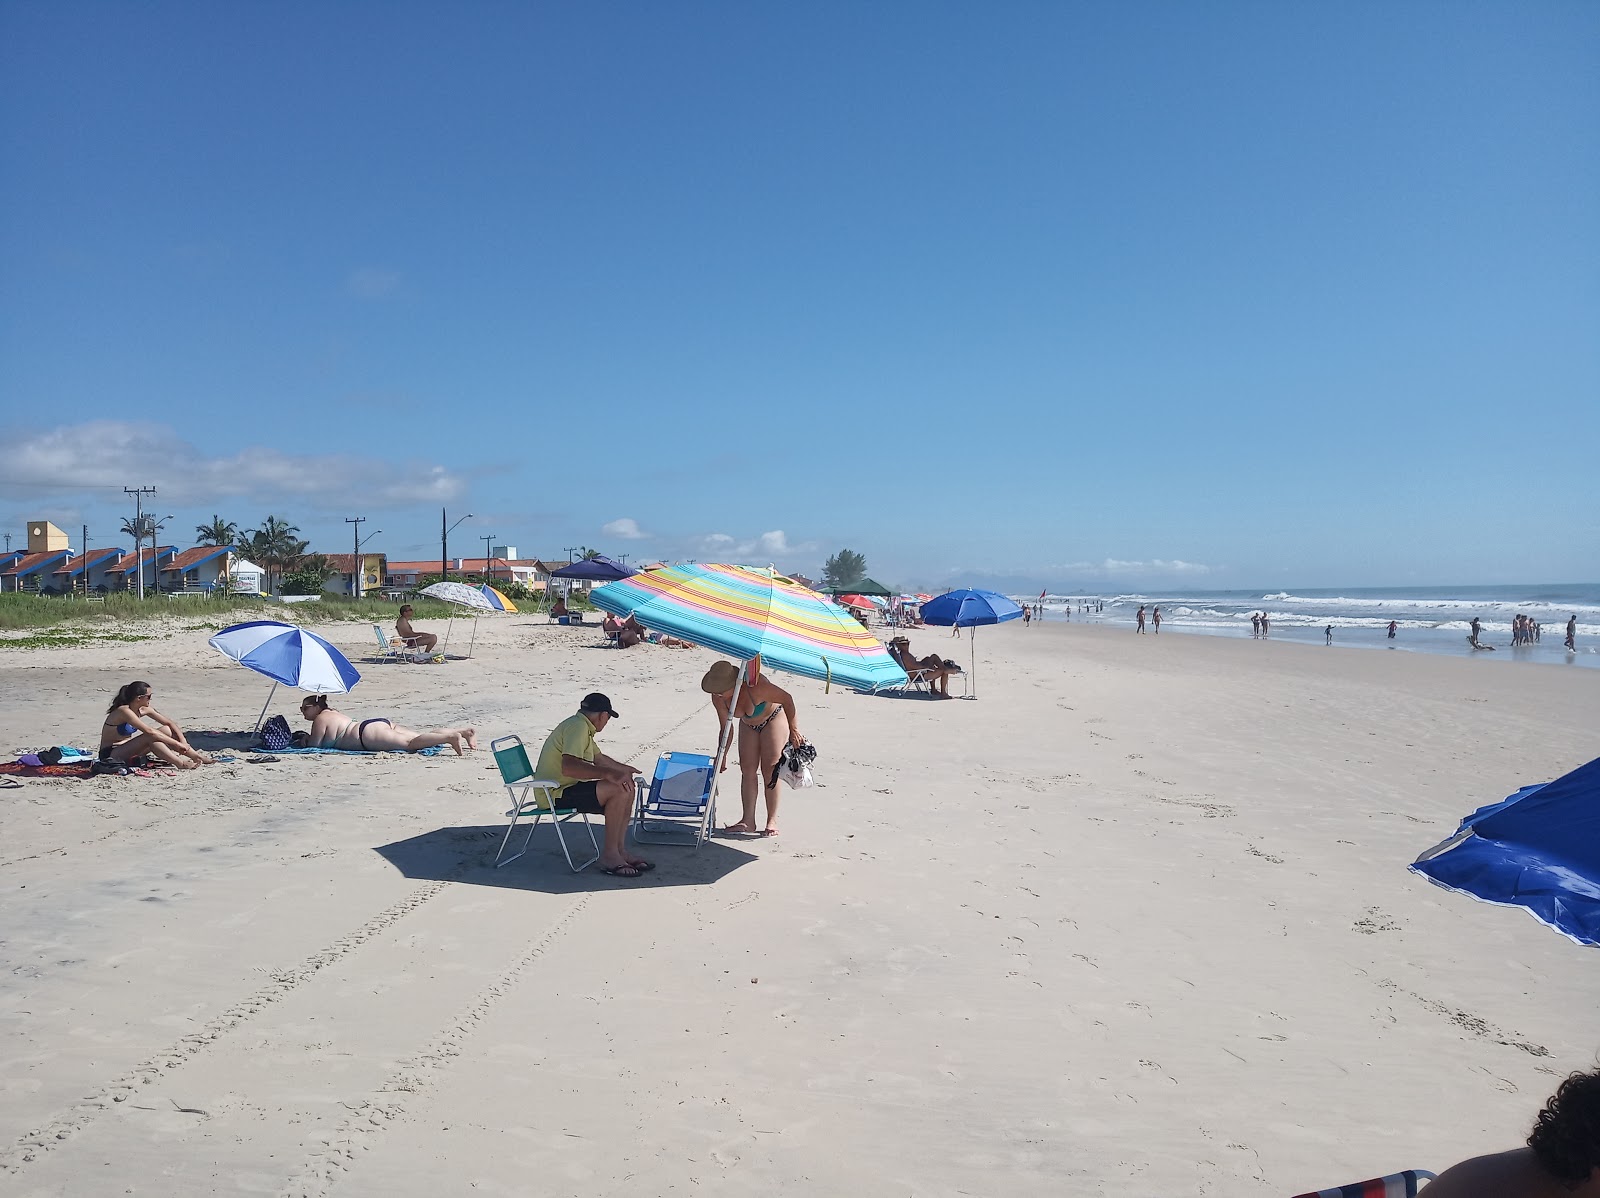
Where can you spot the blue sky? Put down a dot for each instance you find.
(1097, 295)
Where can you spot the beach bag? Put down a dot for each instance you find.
(275, 734)
(794, 766)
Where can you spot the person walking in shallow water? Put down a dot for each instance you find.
(1155, 617)
(1255, 624)
(1140, 618)
(1392, 627)
(1572, 632)
(1328, 632)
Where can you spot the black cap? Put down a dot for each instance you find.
(595, 704)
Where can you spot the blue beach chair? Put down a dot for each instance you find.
(678, 806)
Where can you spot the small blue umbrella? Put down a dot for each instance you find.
(595, 569)
(1538, 849)
(288, 655)
(967, 608)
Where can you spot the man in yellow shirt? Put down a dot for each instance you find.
(592, 782)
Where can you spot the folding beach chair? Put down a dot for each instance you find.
(1396, 1185)
(396, 650)
(677, 808)
(535, 797)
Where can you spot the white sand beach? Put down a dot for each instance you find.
(1136, 921)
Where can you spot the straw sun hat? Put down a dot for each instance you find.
(720, 678)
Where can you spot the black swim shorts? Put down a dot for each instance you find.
(580, 796)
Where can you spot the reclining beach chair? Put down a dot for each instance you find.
(677, 807)
(534, 797)
(396, 650)
(1396, 1185)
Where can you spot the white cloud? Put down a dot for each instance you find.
(1118, 567)
(768, 546)
(105, 452)
(371, 282)
(626, 528)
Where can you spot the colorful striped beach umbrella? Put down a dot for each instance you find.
(496, 600)
(742, 612)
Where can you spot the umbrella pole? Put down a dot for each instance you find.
(445, 647)
(264, 707)
(972, 640)
(474, 639)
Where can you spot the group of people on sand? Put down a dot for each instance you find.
(1260, 624)
(1155, 618)
(135, 733)
(596, 784)
(629, 632)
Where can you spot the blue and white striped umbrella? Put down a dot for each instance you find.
(287, 655)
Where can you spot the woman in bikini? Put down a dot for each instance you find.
(133, 727)
(332, 729)
(935, 670)
(766, 723)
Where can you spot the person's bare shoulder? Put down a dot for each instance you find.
(1514, 1174)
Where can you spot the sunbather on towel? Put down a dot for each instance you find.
(332, 729)
(1562, 1159)
(133, 727)
(936, 670)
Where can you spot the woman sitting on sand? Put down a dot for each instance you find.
(766, 722)
(934, 668)
(133, 727)
(332, 729)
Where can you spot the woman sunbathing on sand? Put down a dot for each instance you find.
(935, 669)
(332, 729)
(133, 727)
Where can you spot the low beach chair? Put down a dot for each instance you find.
(534, 797)
(677, 807)
(1396, 1185)
(389, 650)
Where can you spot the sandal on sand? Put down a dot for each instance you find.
(624, 871)
(766, 832)
(739, 829)
(643, 867)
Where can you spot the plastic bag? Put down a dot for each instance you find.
(799, 779)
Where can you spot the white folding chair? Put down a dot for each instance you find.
(677, 807)
(396, 650)
(534, 797)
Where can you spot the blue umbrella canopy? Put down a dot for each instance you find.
(1538, 849)
(597, 569)
(288, 655)
(967, 608)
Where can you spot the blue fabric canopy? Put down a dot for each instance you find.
(969, 606)
(1538, 849)
(599, 569)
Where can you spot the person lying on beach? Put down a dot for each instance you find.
(935, 669)
(766, 723)
(133, 727)
(412, 638)
(629, 632)
(1562, 1159)
(332, 729)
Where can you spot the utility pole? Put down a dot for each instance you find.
(571, 549)
(487, 576)
(8, 542)
(355, 558)
(83, 562)
(138, 494)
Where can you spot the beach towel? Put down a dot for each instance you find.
(22, 770)
(430, 751)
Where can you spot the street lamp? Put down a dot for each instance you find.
(445, 528)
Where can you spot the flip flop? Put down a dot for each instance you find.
(766, 832)
(643, 867)
(624, 871)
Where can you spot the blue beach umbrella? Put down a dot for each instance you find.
(1538, 849)
(967, 608)
(288, 655)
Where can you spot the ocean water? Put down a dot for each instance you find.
(1430, 619)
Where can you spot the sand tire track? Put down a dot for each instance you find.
(78, 1116)
(319, 1173)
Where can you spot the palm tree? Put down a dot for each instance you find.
(221, 533)
(588, 555)
(275, 545)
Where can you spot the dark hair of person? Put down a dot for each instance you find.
(320, 701)
(1566, 1135)
(404, 608)
(128, 694)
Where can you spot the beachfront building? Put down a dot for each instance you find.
(33, 572)
(532, 573)
(342, 573)
(203, 569)
(124, 574)
(87, 571)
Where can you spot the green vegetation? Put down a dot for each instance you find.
(50, 611)
(68, 640)
(843, 568)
